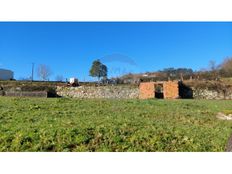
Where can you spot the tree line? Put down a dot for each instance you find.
(216, 71)
(100, 71)
(212, 72)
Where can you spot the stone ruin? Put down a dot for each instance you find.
(163, 90)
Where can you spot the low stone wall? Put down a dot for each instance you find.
(118, 92)
(211, 94)
(109, 92)
(217, 90)
(25, 94)
(130, 92)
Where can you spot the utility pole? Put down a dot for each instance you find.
(32, 72)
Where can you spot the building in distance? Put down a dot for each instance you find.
(6, 74)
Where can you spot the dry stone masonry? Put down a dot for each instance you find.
(211, 94)
(109, 92)
(146, 90)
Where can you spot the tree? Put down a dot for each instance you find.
(213, 70)
(212, 65)
(44, 72)
(174, 73)
(98, 70)
(104, 71)
(226, 67)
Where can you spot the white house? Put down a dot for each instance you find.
(6, 74)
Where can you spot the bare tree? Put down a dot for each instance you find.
(226, 67)
(212, 65)
(44, 72)
(213, 70)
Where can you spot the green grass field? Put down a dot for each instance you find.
(36, 124)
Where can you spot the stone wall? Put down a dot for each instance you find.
(110, 92)
(212, 94)
(43, 94)
(210, 89)
(205, 90)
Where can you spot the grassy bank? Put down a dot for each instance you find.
(112, 125)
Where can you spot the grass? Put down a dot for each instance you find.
(36, 124)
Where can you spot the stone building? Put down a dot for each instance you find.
(165, 90)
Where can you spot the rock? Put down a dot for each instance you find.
(222, 116)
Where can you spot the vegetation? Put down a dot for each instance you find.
(29, 86)
(176, 73)
(213, 72)
(59, 124)
(98, 70)
(44, 72)
(226, 68)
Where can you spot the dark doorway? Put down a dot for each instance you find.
(185, 92)
(159, 91)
